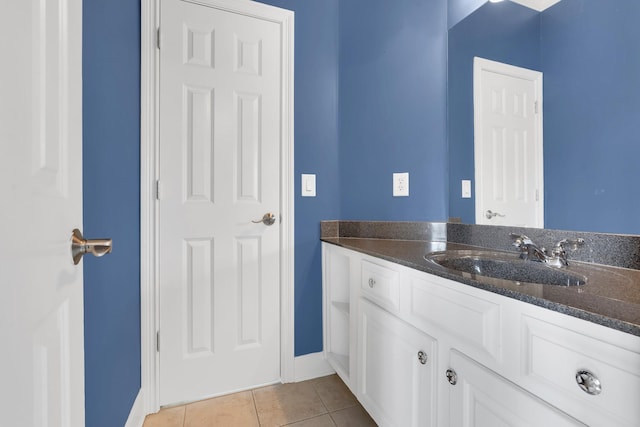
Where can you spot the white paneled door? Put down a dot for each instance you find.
(41, 309)
(220, 142)
(508, 145)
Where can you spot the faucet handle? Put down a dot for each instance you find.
(528, 249)
(558, 253)
(520, 240)
(574, 243)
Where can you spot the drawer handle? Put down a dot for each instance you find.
(371, 282)
(452, 377)
(588, 382)
(422, 357)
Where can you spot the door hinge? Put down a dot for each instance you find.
(537, 195)
(158, 37)
(157, 189)
(535, 107)
(158, 341)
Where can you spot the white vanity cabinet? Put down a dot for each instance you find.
(514, 363)
(388, 364)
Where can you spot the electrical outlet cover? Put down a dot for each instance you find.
(401, 184)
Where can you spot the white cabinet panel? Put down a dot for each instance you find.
(396, 367)
(481, 398)
(474, 321)
(552, 354)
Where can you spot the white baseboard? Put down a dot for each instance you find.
(306, 367)
(310, 366)
(136, 416)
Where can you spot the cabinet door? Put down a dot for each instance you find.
(395, 369)
(481, 398)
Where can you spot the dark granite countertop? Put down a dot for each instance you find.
(610, 298)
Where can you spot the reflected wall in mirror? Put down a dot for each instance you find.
(589, 53)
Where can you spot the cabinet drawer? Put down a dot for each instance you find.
(381, 284)
(474, 322)
(552, 355)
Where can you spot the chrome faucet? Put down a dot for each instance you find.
(558, 256)
(531, 252)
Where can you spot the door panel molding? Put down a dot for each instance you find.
(149, 140)
(43, 366)
(523, 109)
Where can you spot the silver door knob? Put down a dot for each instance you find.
(267, 219)
(422, 357)
(81, 246)
(489, 214)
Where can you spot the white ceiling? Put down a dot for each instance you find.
(538, 5)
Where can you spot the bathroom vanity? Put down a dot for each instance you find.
(421, 345)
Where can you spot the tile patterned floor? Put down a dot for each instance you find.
(321, 402)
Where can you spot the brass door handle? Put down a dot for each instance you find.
(267, 219)
(81, 246)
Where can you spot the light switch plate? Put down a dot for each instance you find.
(466, 189)
(401, 184)
(308, 185)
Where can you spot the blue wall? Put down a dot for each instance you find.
(370, 96)
(457, 10)
(316, 151)
(591, 64)
(589, 54)
(392, 108)
(354, 138)
(111, 179)
(504, 32)
(353, 142)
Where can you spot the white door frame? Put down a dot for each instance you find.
(149, 143)
(479, 65)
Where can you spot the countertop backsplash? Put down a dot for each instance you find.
(601, 248)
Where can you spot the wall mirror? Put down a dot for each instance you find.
(589, 54)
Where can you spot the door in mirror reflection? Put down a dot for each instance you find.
(508, 145)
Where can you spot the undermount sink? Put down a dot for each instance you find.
(503, 265)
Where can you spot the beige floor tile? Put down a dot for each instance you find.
(283, 404)
(170, 417)
(355, 416)
(321, 421)
(235, 410)
(334, 393)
